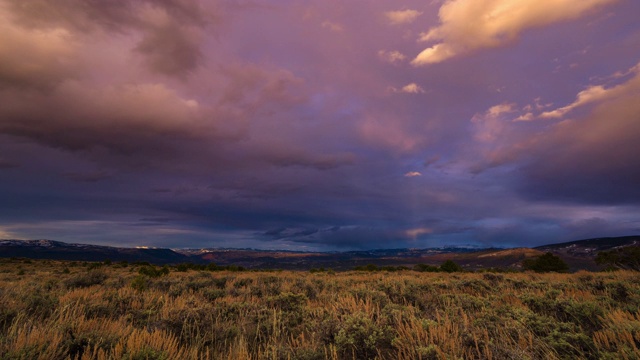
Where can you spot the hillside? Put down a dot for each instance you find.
(578, 254)
(581, 254)
(57, 250)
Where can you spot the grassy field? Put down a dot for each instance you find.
(62, 310)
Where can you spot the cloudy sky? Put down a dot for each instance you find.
(319, 124)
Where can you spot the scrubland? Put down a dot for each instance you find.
(63, 310)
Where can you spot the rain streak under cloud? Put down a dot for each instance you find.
(319, 125)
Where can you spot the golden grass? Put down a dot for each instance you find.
(112, 312)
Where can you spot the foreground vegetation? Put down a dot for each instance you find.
(62, 310)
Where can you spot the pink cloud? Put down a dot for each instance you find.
(467, 25)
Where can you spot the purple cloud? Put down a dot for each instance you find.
(305, 125)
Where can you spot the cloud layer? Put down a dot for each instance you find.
(307, 126)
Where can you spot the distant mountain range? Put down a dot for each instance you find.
(57, 250)
(578, 254)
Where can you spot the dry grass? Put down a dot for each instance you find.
(61, 310)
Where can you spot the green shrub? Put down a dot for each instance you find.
(620, 292)
(545, 263)
(182, 267)
(450, 266)
(6, 317)
(241, 283)
(93, 266)
(152, 271)
(220, 283)
(140, 282)
(425, 268)
(40, 305)
(147, 353)
(212, 294)
(288, 301)
(368, 267)
(308, 354)
(360, 337)
(624, 258)
(90, 278)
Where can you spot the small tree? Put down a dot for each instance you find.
(425, 268)
(546, 263)
(449, 266)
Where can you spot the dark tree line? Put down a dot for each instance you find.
(546, 263)
(626, 258)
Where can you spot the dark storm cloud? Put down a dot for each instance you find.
(171, 49)
(171, 30)
(319, 162)
(346, 237)
(80, 14)
(5, 164)
(595, 160)
(592, 158)
(304, 124)
(124, 119)
(88, 177)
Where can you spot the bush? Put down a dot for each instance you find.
(152, 271)
(40, 305)
(546, 263)
(361, 338)
(288, 301)
(368, 267)
(425, 268)
(94, 266)
(147, 353)
(87, 279)
(212, 294)
(627, 258)
(449, 266)
(140, 282)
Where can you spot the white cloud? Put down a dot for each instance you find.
(402, 16)
(491, 124)
(391, 57)
(500, 109)
(412, 174)
(335, 27)
(525, 117)
(414, 233)
(598, 93)
(412, 88)
(434, 54)
(467, 25)
(591, 94)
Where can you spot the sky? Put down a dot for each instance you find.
(319, 124)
